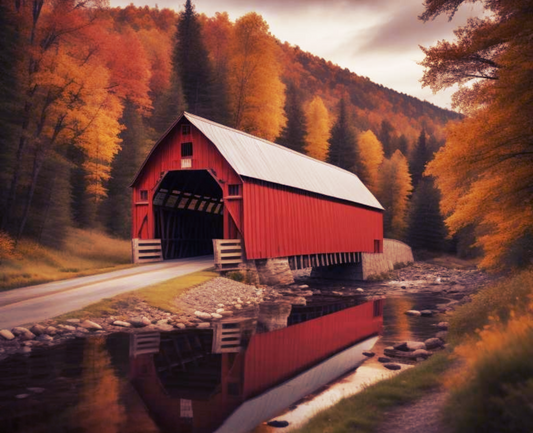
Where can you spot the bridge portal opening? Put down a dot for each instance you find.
(188, 211)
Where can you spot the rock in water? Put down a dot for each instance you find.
(401, 346)
(278, 424)
(413, 313)
(426, 313)
(421, 353)
(384, 359)
(443, 325)
(392, 366)
(416, 345)
(369, 354)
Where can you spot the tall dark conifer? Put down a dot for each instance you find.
(386, 137)
(420, 157)
(191, 62)
(293, 134)
(426, 228)
(10, 104)
(342, 143)
(116, 208)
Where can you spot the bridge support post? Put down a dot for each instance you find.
(274, 272)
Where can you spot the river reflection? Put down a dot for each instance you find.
(173, 382)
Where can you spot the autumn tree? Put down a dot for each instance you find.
(293, 133)
(342, 150)
(485, 170)
(386, 137)
(257, 94)
(318, 129)
(426, 229)
(393, 190)
(191, 62)
(371, 156)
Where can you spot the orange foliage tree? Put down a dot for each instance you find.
(485, 171)
(256, 91)
(370, 157)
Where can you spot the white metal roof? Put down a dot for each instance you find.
(260, 159)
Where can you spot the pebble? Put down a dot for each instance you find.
(369, 354)
(426, 313)
(68, 328)
(303, 286)
(421, 353)
(216, 316)
(359, 290)
(384, 359)
(45, 337)
(89, 324)
(27, 336)
(416, 345)
(202, 315)
(219, 310)
(443, 325)
(220, 305)
(204, 325)
(51, 330)
(38, 329)
(19, 330)
(25, 349)
(180, 325)
(75, 321)
(413, 313)
(121, 323)
(433, 343)
(7, 334)
(392, 366)
(238, 306)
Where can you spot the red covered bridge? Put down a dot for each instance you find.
(204, 181)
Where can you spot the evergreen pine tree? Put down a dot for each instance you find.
(116, 208)
(426, 230)
(342, 143)
(191, 62)
(385, 136)
(293, 134)
(9, 107)
(420, 157)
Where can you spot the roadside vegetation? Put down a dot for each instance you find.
(162, 296)
(85, 253)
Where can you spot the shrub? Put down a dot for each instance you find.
(7, 247)
(496, 300)
(494, 392)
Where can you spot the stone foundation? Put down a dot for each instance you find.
(274, 272)
(273, 315)
(372, 265)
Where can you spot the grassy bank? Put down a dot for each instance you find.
(85, 253)
(363, 411)
(160, 296)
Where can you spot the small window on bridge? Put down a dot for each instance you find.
(186, 150)
(144, 195)
(185, 129)
(234, 190)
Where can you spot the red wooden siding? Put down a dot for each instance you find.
(167, 157)
(280, 222)
(273, 357)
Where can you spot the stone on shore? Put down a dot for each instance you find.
(369, 354)
(443, 325)
(392, 366)
(38, 329)
(51, 330)
(202, 315)
(27, 336)
(204, 325)
(384, 359)
(89, 324)
(359, 290)
(226, 313)
(19, 330)
(443, 335)
(421, 353)
(139, 322)
(401, 346)
(7, 334)
(433, 343)
(216, 316)
(44, 337)
(121, 323)
(180, 325)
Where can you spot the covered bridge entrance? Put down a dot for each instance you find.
(204, 181)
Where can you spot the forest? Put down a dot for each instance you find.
(87, 90)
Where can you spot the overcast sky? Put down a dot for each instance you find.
(374, 38)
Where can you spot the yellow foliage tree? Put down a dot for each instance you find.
(485, 171)
(371, 157)
(257, 95)
(393, 189)
(318, 129)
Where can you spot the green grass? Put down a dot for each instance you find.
(85, 253)
(362, 412)
(162, 296)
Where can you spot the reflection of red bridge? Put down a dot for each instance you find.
(218, 384)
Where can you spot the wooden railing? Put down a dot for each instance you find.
(228, 254)
(146, 250)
